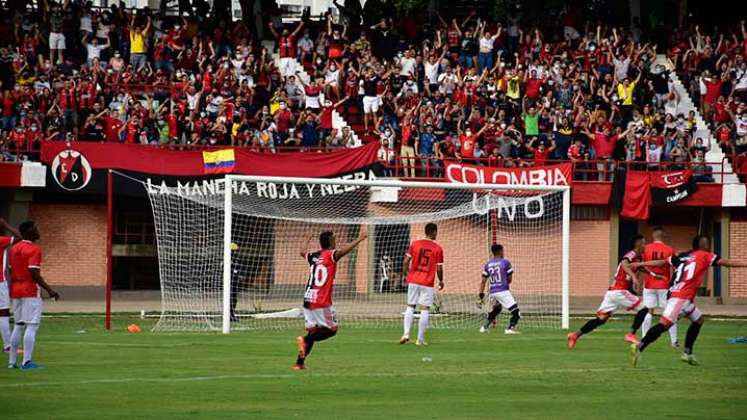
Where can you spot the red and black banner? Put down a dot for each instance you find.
(633, 192)
(671, 187)
(81, 168)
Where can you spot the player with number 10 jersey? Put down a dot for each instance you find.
(319, 315)
(322, 270)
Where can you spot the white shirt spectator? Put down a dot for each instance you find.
(741, 79)
(447, 82)
(407, 65)
(248, 77)
(670, 106)
(409, 85)
(621, 68)
(487, 44)
(741, 122)
(237, 63)
(431, 72)
(654, 154)
(39, 85)
(94, 51)
(86, 23)
(332, 77)
(102, 31)
(305, 45)
(214, 104)
(192, 100)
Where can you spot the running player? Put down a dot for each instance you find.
(25, 292)
(619, 295)
(656, 281)
(500, 272)
(690, 269)
(318, 311)
(5, 243)
(423, 261)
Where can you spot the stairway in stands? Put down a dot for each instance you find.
(702, 130)
(338, 120)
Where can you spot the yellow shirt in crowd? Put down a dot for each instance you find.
(137, 42)
(626, 94)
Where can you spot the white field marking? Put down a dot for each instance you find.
(133, 315)
(342, 375)
(97, 343)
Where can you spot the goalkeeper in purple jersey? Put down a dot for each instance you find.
(498, 272)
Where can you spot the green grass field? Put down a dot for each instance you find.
(365, 374)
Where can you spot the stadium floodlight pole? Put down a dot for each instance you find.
(565, 261)
(227, 213)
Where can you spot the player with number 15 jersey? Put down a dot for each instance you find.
(424, 260)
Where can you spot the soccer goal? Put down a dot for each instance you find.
(229, 250)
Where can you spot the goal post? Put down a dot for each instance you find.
(229, 253)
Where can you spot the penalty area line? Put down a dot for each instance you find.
(334, 375)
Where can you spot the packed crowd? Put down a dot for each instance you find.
(492, 93)
(715, 67)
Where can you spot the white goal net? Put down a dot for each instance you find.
(245, 270)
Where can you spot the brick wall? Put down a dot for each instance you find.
(590, 257)
(74, 245)
(678, 237)
(738, 249)
(535, 256)
(73, 241)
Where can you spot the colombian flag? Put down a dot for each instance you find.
(219, 162)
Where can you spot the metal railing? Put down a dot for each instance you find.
(430, 167)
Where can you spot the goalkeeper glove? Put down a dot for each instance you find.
(480, 300)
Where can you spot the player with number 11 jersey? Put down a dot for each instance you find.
(690, 270)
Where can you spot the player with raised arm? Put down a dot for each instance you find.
(689, 270)
(619, 295)
(318, 312)
(423, 261)
(5, 244)
(26, 283)
(500, 272)
(656, 281)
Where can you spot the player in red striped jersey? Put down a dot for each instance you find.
(318, 312)
(5, 243)
(427, 258)
(690, 269)
(619, 295)
(656, 281)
